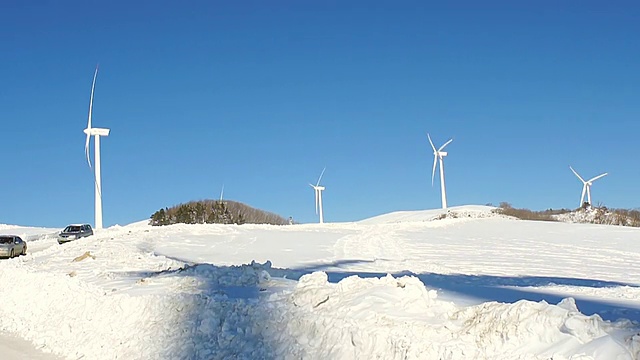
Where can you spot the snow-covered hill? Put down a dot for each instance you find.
(480, 287)
(456, 212)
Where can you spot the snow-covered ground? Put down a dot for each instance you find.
(406, 285)
(15, 348)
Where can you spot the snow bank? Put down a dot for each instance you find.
(398, 318)
(201, 317)
(241, 312)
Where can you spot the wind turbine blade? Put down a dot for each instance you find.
(579, 177)
(445, 144)
(221, 192)
(86, 144)
(584, 189)
(322, 173)
(317, 195)
(93, 86)
(86, 150)
(598, 177)
(435, 161)
(431, 142)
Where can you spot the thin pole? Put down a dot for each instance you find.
(98, 211)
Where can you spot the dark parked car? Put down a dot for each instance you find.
(74, 232)
(12, 245)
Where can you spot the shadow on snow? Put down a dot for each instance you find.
(213, 300)
(474, 289)
(222, 310)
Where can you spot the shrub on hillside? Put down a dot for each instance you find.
(585, 214)
(525, 214)
(623, 217)
(214, 212)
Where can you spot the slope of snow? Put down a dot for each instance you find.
(481, 287)
(467, 211)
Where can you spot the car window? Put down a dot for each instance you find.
(5, 240)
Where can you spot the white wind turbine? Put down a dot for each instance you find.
(586, 185)
(438, 155)
(96, 133)
(318, 190)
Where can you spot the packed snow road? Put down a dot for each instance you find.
(14, 348)
(459, 290)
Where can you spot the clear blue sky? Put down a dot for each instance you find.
(261, 95)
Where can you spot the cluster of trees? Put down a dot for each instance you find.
(600, 214)
(505, 208)
(623, 217)
(214, 212)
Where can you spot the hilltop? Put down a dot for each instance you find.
(215, 212)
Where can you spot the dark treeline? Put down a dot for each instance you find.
(214, 212)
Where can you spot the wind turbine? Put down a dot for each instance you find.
(318, 190)
(586, 187)
(96, 133)
(438, 155)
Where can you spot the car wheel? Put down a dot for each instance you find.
(24, 250)
(11, 254)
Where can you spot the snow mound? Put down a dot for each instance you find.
(456, 212)
(213, 313)
(241, 312)
(398, 318)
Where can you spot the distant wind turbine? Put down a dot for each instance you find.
(586, 185)
(96, 133)
(438, 155)
(318, 191)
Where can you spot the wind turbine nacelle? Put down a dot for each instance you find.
(442, 153)
(97, 131)
(319, 188)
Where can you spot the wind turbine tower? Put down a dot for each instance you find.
(438, 155)
(586, 186)
(318, 191)
(96, 133)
